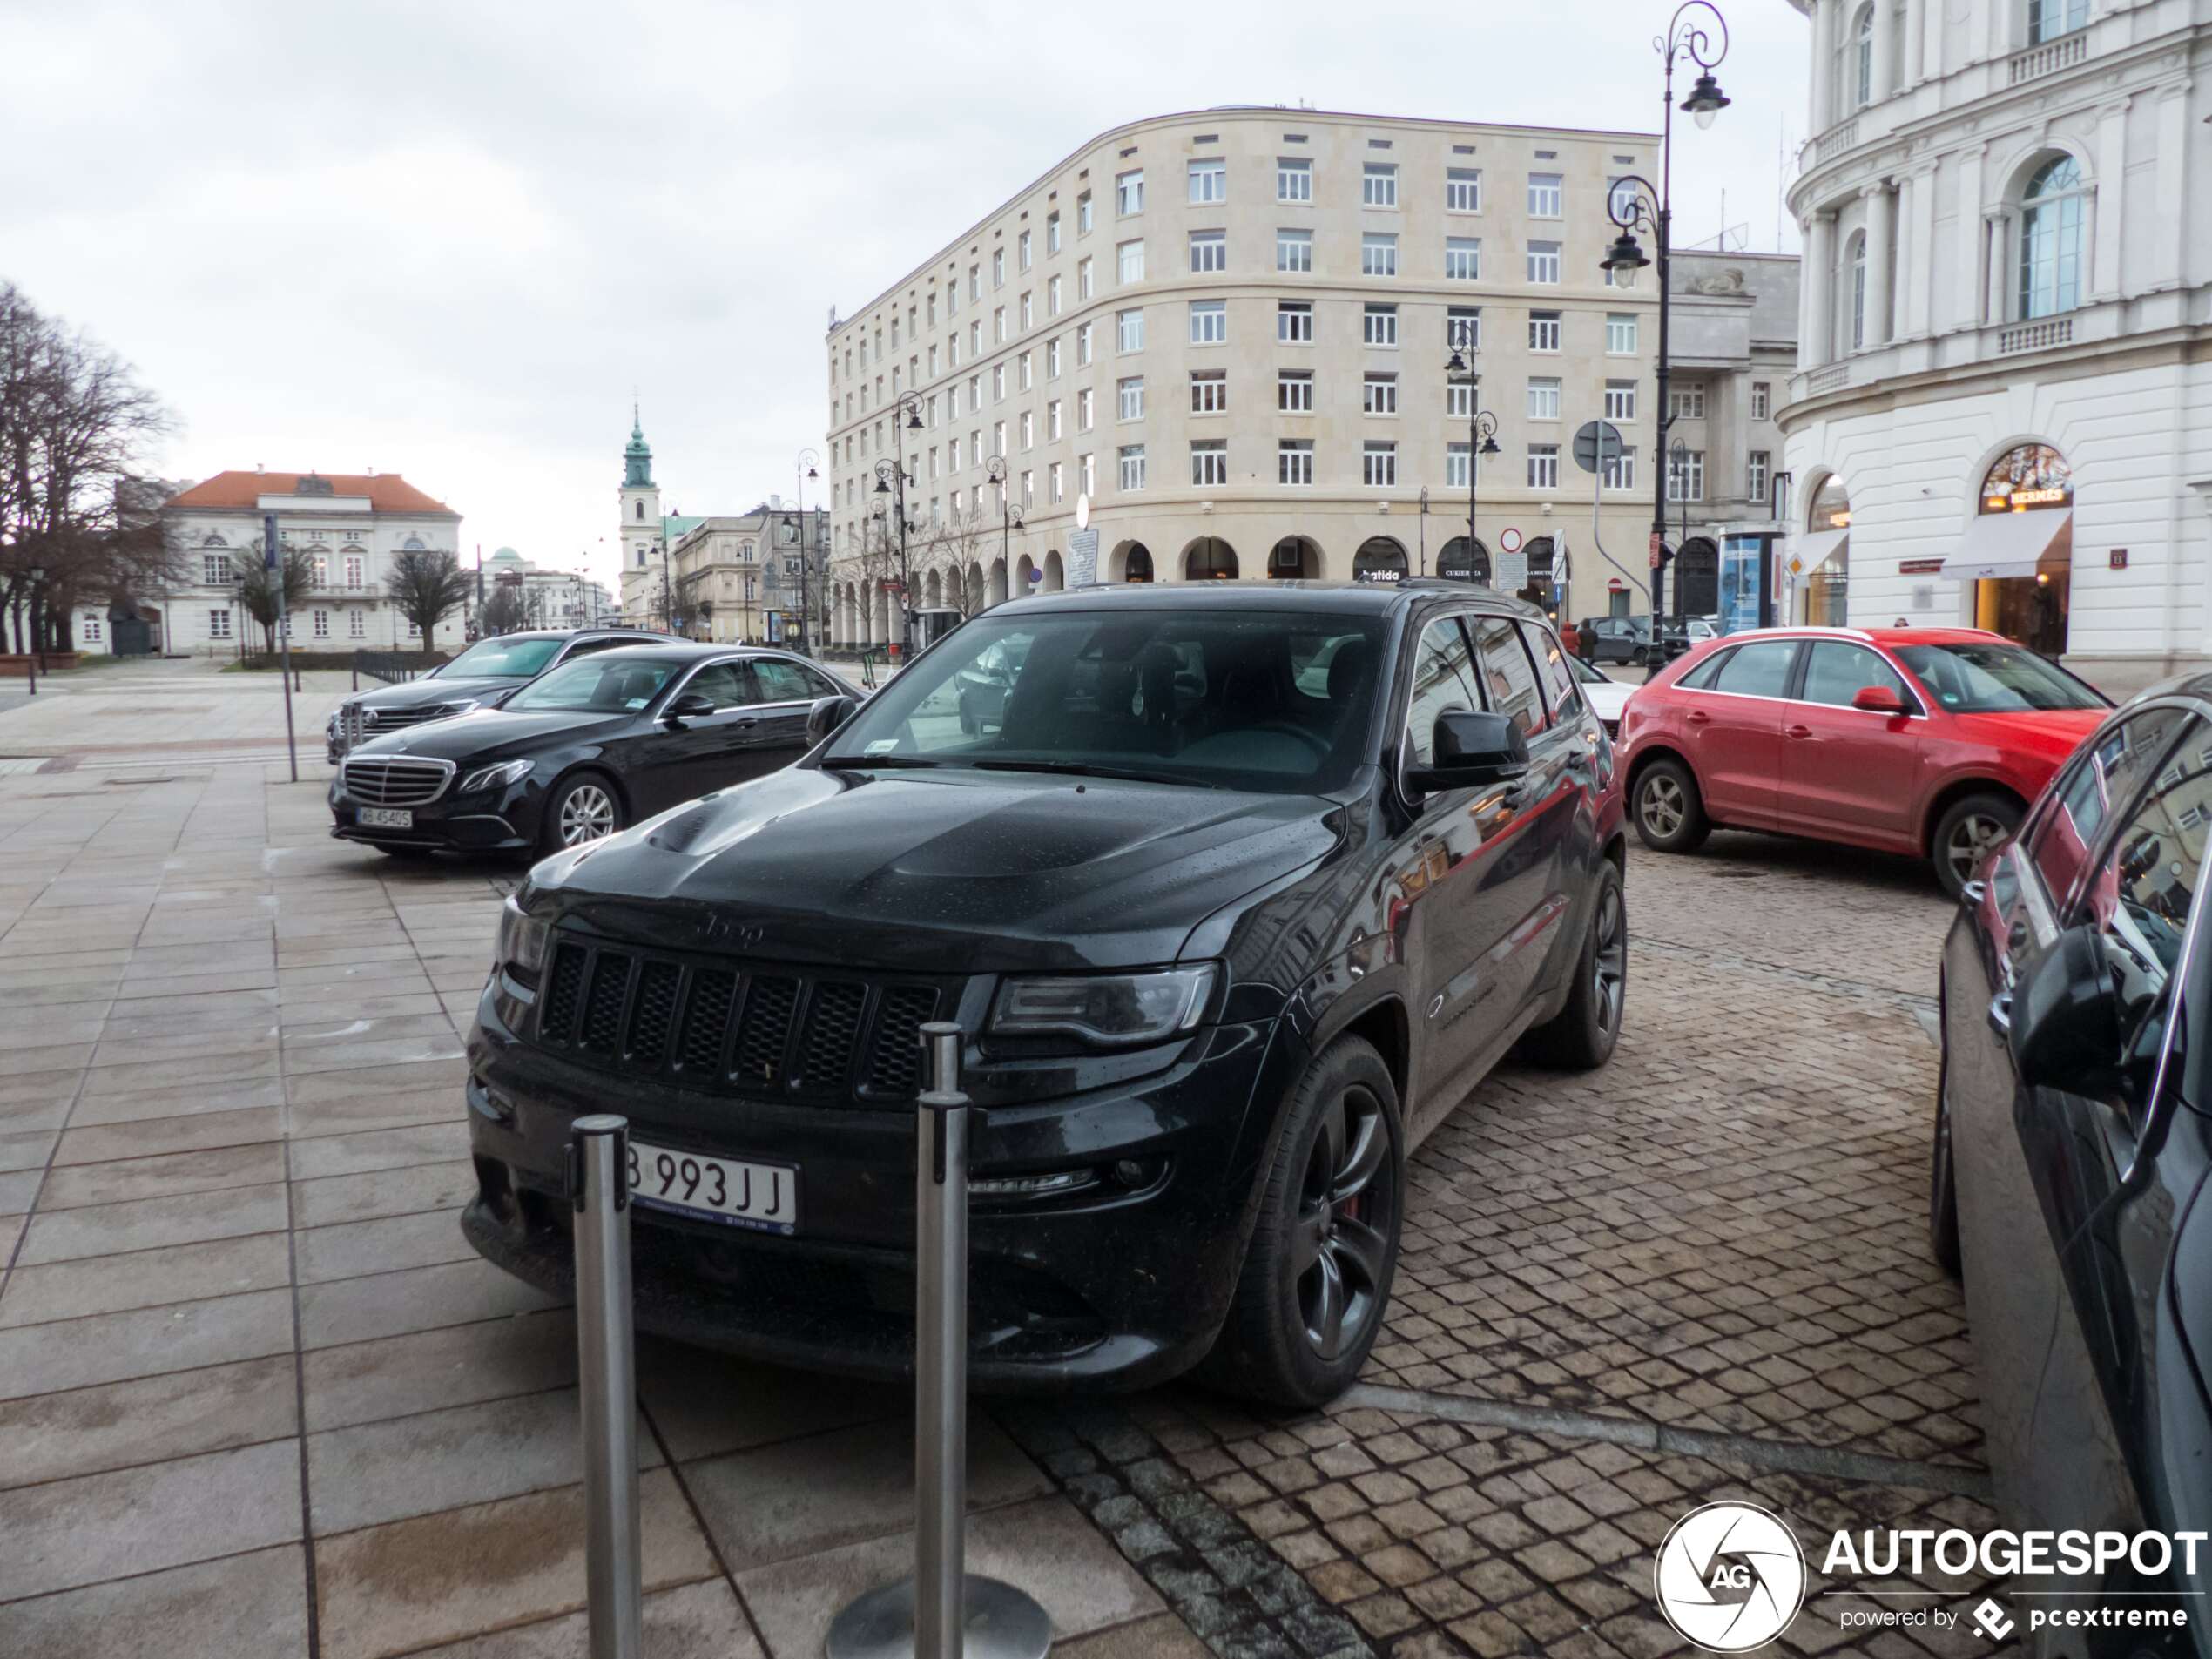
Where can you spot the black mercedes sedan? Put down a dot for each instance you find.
(2072, 1144)
(1235, 892)
(484, 676)
(577, 754)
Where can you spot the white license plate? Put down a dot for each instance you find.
(760, 1196)
(385, 818)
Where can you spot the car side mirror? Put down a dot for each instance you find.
(826, 714)
(2065, 1031)
(690, 707)
(1469, 748)
(1878, 700)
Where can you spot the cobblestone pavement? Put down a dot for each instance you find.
(256, 1395)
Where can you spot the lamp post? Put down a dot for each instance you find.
(994, 469)
(804, 468)
(37, 575)
(889, 474)
(1482, 430)
(1635, 203)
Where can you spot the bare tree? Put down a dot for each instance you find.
(966, 538)
(427, 587)
(257, 587)
(502, 612)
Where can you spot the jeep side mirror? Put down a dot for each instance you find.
(826, 714)
(1878, 700)
(1469, 748)
(2065, 1029)
(690, 707)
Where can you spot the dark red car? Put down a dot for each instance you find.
(1927, 741)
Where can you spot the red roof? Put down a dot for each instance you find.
(387, 491)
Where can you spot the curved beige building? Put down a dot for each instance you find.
(1229, 329)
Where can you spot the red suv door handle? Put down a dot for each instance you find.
(1798, 731)
(1697, 717)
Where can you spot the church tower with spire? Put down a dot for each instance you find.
(639, 534)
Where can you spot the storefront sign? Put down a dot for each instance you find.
(2120, 558)
(2020, 500)
(1920, 567)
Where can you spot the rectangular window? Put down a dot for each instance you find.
(1090, 474)
(1543, 262)
(1762, 402)
(1085, 283)
(1543, 399)
(1455, 466)
(933, 376)
(1686, 402)
(353, 569)
(1378, 185)
(1128, 399)
(1208, 322)
(1083, 410)
(1209, 181)
(1131, 457)
(1294, 323)
(1028, 430)
(1052, 296)
(319, 569)
(1128, 193)
(1463, 190)
(1051, 246)
(1294, 252)
(1378, 394)
(1208, 252)
(975, 286)
(1029, 488)
(1377, 255)
(357, 625)
(1686, 476)
(1294, 462)
(1055, 478)
(1293, 180)
(974, 392)
(1544, 195)
(1620, 333)
(1463, 328)
(1543, 331)
(1052, 358)
(998, 383)
(1023, 245)
(974, 341)
(1460, 397)
(1378, 465)
(1378, 325)
(1757, 471)
(1129, 262)
(1052, 422)
(1543, 465)
(1294, 391)
(1023, 368)
(219, 625)
(215, 569)
(1620, 400)
(1129, 330)
(1210, 460)
(1620, 470)
(1210, 392)
(1463, 258)
(1083, 346)
(321, 626)
(1083, 218)
(998, 281)
(975, 448)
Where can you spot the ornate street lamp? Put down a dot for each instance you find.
(994, 469)
(804, 466)
(37, 576)
(892, 480)
(1482, 429)
(1634, 203)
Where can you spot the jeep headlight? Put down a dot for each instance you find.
(498, 777)
(1107, 1008)
(523, 938)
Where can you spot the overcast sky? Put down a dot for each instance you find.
(447, 238)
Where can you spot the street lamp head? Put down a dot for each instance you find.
(1626, 255)
(1458, 365)
(882, 485)
(914, 421)
(811, 473)
(1706, 99)
(1489, 446)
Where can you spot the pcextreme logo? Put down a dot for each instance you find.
(1731, 1577)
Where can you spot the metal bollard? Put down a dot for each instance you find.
(942, 1612)
(607, 1372)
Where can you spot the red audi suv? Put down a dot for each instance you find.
(1925, 741)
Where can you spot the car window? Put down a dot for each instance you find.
(1761, 670)
(2106, 771)
(1508, 678)
(1584, 673)
(2139, 898)
(722, 682)
(507, 659)
(1701, 678)
(1995, 677)
(783, 682)
(599, 684)
(586, 647)
(1566, 696)
(1835, 672)
(1443, 682)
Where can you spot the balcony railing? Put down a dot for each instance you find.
(2048, 58)
(2035, 336)
(1835, 140)
(1828, 379)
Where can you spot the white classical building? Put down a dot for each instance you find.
(2003, 409)
(551, 597)
(351, 526)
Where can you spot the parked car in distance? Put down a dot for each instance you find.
(483, 676)
(1925, 741)
(2072, 1135)
(607, 738)
(1235, 896)
(1606, 696)
(1614, 639)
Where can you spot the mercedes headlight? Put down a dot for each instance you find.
(498, 777)
(523, 938)
(446, 711)
(1107, 1008)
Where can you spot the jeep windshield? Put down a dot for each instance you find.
(1276, 702)
(501, 659)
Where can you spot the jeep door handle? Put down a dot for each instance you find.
(2000, 1013)
(1697, 717)
(1796, 731)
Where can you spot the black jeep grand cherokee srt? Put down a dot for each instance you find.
(1237, 892)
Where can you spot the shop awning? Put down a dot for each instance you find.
(1816, 548)
(2009, 544)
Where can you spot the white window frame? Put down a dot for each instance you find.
(1208, 322)
(1543, 397)
(1129, 398)
(1294, 462)
(1547, 195)
(1378, 184)
(1621, 334)
(1129, 262)
(1130, 466)
(1379, 255)
(1209, 252)
(1294, 391)
(1209, 462)
(1544, 331)
(1128, 329)
(1129, 193)
(1543, 465)
(1293, 178)
(1378, 464)
(1463, 258)
(1378, 326)
(1463, 190)
(1210, 391)
(1293, 323)
(1209, 181)
(1686, 473)
(1378, 394)
(1294, 252)
(1620, 401)
(1544, 263)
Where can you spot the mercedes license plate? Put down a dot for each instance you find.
(385, 818)
(737, 1193)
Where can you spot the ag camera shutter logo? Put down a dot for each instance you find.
(1730, 1577)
